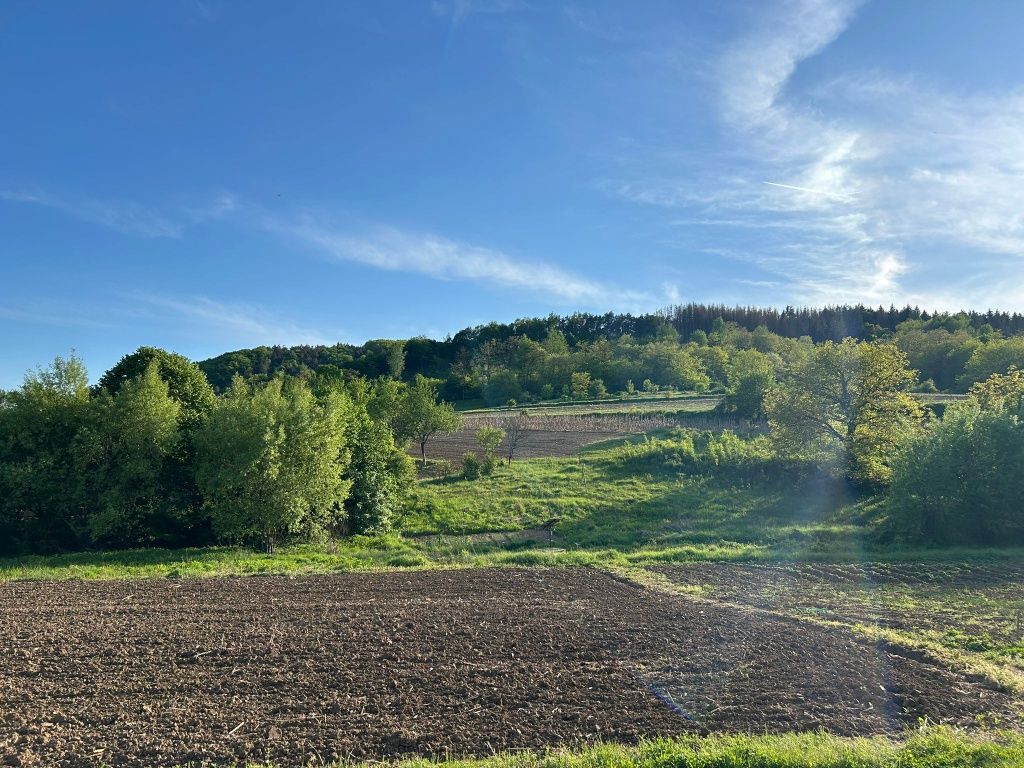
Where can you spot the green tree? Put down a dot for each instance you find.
(750, 375)
(272, 461)
(1001, 392)
(42, 507)
(123, 455)
(421, 416)
(186, 382)
(958, 483)
(555, 343)
(502, 386)
(847, 405)
(379, 473)
(579, 385)
(997, 356)
(489, 438)
(384, 401)
(188, 386)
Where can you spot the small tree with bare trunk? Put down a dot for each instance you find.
(516, 425)
(421, 416)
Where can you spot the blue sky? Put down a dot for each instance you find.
(205, 175)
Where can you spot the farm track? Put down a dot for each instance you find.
(159, 672)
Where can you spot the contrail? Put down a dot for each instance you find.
(808, 189)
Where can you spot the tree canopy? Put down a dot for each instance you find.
(848, 404)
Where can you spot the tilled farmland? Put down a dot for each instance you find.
(311, 669)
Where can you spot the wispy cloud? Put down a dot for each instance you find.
(442, 258)
(59, 316)
(235, 323)
(856, 183)
(125, 216)
(383, 247)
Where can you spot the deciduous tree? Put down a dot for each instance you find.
(272, 461)
(421, 416)
(847, 405)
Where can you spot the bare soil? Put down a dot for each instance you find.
(535, 444)
(160, 672)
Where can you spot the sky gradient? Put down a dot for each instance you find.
(204, 175)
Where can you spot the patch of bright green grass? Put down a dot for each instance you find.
(604, 502)
(928, 748)
(355, 554)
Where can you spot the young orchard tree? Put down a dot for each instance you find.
(421, 416)
(489, 439)
(271, 461)
(847, 405)
(515, 426)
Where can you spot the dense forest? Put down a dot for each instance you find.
(682, 348)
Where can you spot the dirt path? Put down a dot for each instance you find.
(463, 662)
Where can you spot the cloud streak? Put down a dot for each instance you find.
(237, 323)
(124, 216)
(442, 258)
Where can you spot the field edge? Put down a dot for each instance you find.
(927, 747)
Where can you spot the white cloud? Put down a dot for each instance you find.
(234, 323)
(855, 184)
(444, 259)
(125, 216)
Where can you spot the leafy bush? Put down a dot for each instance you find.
(702, 452)
(960, 481)
(471, 466)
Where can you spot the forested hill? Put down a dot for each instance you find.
(464, 360)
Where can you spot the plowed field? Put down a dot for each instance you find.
(161, 672)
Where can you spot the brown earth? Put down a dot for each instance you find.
(536, 444)
(159, 672)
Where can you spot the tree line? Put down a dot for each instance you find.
(151, 456)
(686, 348)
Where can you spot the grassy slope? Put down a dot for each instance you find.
(604, 503)
(610, 513)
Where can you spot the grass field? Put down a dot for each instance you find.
(605, 500)
(928, 748)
